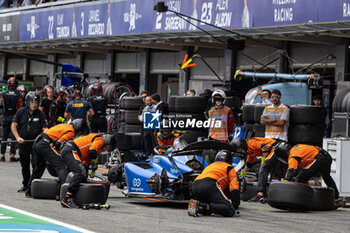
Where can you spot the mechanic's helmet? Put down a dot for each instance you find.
(12, 83)
(282, 150)
(96, 88)
(224, 156)
(31, 96)
(61, 91)
(240, 145)
(46, 87)
(80, 127)
(22, 88)
(109, 139)
(165, 132)
(218, 95)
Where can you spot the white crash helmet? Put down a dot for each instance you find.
(219, 94)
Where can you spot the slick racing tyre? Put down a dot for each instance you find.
(248, 113)
(338, 100)
(251, 189)
(258, 111)
(87, 193)
(192, 104)
(45, 188)
(306, 134)
(172, 103)
(133, 128)
(131, 117)
(322, 199)
(290, 196)
(131, 103)
(307, 115)
(259, 130)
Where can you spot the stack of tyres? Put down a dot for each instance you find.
(130, 124)
(188, 109)
(306, 125)
(251, 116)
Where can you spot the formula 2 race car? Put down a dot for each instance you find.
(169, 176)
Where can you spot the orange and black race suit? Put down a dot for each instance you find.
(216, 182)
(77, 154)
(57, 109)
(166, 142)
(46, 152)
(315, 160)
(256, 147)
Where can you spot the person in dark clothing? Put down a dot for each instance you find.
(216, 190)
(148, 134)
(46, 149)
(98, 102)
(10, 101)
(23, 91)
(46, 102)
(27, 124)
(78, 108)
(160, 105)
(58, 106)
(144, 94)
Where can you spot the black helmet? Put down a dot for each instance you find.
(165, 132)
(224, 156)
(12, 83)
(282, 150)
(80, 127)
(62, 90)
(240, 145)
(96, 88)
(109, 139)
(31, 96)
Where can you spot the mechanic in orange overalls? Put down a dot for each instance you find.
(314, 159)
(165, 137)
(256, 147)
(208, 188)
(47, 145)
(78, 154)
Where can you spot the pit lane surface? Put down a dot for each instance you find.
(147, 215)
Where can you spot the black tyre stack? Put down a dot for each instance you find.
(130, 126)
(251, 117)
(306, 123)
(182, 108)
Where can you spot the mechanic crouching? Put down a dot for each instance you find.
(313, 159)
(48, 144)
(78, 155)
(211, 188)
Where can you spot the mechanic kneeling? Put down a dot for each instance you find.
(78, 155)
(209, 187)
(314, 159)
(47, 145)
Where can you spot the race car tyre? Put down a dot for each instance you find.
(249, 126)
(248, 113)
(87, 193)
(122, 115)
(135, 139)
(193, 104)
(172, 103)
(233, 102)
(100, 180)
(322, 199)
(44, 188)
(251, 190)
(345, 103)
(338, 100)
(312, 115)
(259, 130)
(122, 128)
(132, 103)
(123, 141)
(133, 128)
(290, 196)
(306, 134)
(131, 117)
(114, 90)
(116, 174)
(258, 111)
